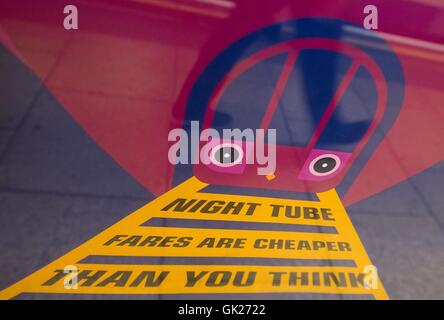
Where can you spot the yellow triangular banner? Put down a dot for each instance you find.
(192, 242)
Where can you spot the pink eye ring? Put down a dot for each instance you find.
(324, 165)
(226, 155)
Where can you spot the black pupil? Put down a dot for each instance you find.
(226, 155)
(324, 165)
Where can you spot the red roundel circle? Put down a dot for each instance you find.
(325, 97)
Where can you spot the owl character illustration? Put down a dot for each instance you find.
(330, 89)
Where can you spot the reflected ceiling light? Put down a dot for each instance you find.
(219, 3)
(189, 8)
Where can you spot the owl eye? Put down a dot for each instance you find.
(324, 165)
(226, 155)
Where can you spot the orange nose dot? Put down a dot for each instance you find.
(270, 176)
